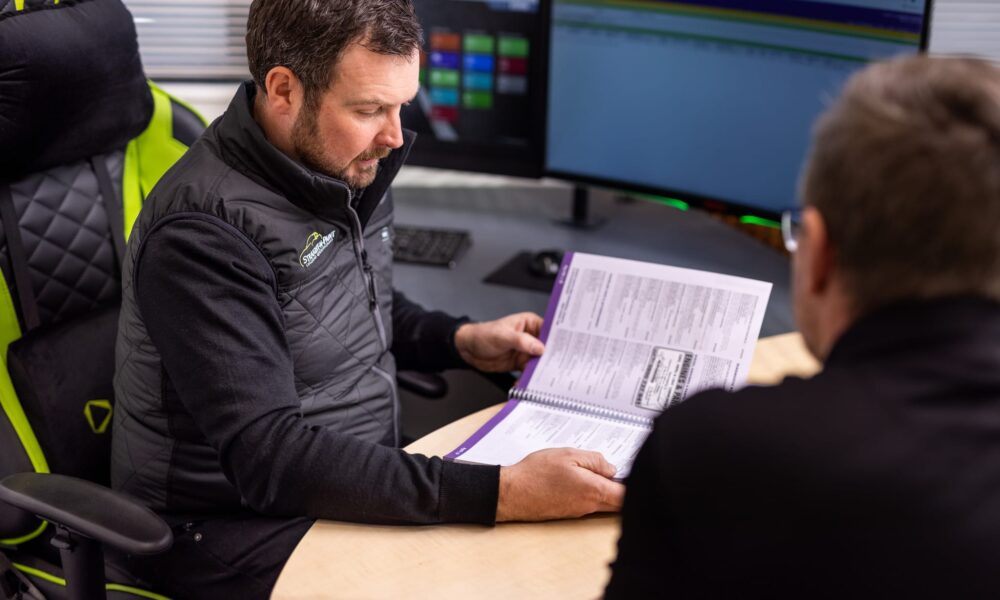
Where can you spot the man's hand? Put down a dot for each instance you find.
(558, 483)
(502, 345)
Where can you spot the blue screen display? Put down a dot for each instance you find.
(709, 100)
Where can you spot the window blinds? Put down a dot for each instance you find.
(204, 40)
(966, 27)
(192, 40)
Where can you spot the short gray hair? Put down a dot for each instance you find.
(905, 169)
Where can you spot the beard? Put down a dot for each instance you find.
(309, 148)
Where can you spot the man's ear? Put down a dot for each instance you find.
(283, 92)
(814, 245)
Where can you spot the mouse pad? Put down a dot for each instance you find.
(515, 273)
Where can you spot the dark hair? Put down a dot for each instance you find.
(309, 36)
(905, 169)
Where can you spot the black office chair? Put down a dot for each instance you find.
(83, 138)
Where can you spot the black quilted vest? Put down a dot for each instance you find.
(333, 268)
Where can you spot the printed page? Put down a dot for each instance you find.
(638, 337)
(522, 427)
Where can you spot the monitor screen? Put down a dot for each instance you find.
(708, 101)
(482, 80)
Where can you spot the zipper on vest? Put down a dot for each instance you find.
(369, 274)
(373, 295)
(395, 400)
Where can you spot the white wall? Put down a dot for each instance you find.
(210, 99)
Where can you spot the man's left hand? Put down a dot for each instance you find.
(501, 345)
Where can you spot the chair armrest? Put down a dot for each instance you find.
(428, 385)
(503, 380)
(88, 509)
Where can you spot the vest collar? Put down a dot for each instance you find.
(244, 147)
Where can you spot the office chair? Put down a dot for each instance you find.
(83, 139)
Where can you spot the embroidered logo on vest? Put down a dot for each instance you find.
(315, 245)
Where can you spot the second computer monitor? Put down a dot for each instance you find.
(482, 83)
(711, 101)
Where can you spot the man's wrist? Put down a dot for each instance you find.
(504, 495)
(461, 341)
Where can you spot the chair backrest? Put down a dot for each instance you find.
(83, 138)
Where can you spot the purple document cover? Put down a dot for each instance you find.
(550, 314)
(522, 383)
(488, 427)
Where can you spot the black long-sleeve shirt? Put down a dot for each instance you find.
(208, 300)
(877, 478)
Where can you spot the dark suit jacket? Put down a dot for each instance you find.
(879, 477)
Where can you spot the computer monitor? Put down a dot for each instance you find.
(710, 102)
(481, 103)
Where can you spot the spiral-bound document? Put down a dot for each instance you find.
(624, 340)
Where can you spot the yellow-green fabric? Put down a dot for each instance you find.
(10, 330)
(111, 587)
(19, 4)
(147, 158)
(27, 537)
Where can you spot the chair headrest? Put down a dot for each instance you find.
(71, 84)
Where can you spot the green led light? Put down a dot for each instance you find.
(752, 220)
(678, 204)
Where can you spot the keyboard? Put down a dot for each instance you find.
(428, 246)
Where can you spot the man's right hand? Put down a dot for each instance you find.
(558, 483)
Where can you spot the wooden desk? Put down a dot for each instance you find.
(557, 559)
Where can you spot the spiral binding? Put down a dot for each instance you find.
(577, 406)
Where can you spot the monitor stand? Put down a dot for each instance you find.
(532, 270)
(580, 217)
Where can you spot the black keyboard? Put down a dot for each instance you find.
(425, 246)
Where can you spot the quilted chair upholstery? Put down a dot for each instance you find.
(65, 234)
(83, 138)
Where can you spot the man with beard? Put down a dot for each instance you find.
(260, 334)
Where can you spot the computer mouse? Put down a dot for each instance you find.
(545, 263)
